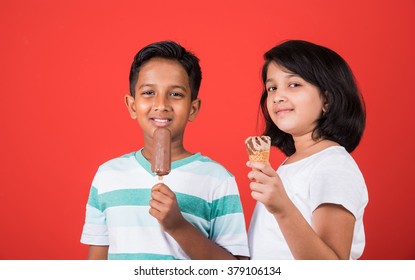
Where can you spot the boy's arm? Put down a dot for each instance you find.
(97, 252)
(165, 209)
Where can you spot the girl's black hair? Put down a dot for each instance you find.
(168, 50)
(345, 117)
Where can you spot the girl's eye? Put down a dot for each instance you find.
(271, 89)
(293, 85)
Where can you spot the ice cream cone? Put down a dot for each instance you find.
(258, 148)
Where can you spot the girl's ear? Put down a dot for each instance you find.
(130, 103)
(325, 107)
(194, 109)
(325, 103)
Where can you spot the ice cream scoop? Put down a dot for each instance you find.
(258, 148)
(161, 161)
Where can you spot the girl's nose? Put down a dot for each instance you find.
(279, 96)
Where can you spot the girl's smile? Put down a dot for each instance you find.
(294, 104)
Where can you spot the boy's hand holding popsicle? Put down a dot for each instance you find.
(163, 203)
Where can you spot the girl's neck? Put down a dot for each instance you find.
(306, 146)
(302, 144)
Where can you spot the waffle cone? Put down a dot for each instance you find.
(261, 156)
(258, 148)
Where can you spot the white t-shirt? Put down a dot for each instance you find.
(330, 176)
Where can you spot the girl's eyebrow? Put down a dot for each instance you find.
(289, 75)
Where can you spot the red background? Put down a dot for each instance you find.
(64, 72)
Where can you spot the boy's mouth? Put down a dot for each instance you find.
(161, 122)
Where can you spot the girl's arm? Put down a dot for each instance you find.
(328, 237)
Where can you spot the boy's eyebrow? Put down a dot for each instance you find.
(180, 87)
(173, 86)
(146, 85)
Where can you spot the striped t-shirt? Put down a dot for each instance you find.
(117, 209)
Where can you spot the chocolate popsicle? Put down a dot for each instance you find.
(161, 161)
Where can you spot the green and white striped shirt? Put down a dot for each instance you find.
(117, 209)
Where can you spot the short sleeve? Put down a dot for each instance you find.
(227, 219)
(95, 231)
(338, 180)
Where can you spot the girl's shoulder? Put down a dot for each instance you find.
(331, 160)
(335, 161)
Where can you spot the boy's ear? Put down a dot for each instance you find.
(130, 103)
(194, 109)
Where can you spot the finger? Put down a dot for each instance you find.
(260, 196)
(158, 195)
(250, 176)
(160, 191)
(163, 195)
(155, 213)
(158, 187)
(162, 188)
(265, 168)
(257, 187)
(259, 176)
(255, 195)
(155, 204)
(165, 202)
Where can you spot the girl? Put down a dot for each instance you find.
(312, 207)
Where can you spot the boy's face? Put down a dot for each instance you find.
(162, 98)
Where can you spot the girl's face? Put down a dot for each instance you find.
(294, 105)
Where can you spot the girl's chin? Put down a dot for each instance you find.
(284, 126)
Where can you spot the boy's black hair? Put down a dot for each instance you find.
(345, 117)
(168, 50)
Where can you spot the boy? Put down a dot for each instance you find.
(196, 213)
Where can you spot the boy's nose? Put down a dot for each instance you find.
(161, 103)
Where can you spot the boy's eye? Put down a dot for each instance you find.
(149, 92)
(176, 94)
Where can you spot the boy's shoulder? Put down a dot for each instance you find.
(210, 166)
(125, 161)
(201, 164)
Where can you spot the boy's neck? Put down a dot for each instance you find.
(177, 152)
